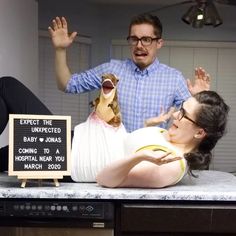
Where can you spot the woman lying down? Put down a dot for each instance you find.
(150, 157)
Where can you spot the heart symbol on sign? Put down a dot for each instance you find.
(41, 139)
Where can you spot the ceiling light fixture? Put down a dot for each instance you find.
(203, 13)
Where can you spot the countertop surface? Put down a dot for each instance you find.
(209, 186)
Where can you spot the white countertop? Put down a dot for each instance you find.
(209, 186)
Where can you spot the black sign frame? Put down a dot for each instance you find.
(36, 141)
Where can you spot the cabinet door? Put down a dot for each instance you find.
(8, 231)
(223, 219)
(164, 218)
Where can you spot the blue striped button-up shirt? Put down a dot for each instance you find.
(141, 93)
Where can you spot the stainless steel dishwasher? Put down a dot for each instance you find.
(55, 217)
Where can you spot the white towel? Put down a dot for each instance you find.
(95, 144)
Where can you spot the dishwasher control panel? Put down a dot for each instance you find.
(58, 209)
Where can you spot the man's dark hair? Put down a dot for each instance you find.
(148, 19)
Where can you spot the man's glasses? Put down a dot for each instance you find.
(145, 41)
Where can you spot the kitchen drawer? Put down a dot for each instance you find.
(165, 218)
(224, 219)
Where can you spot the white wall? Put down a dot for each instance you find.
(19, 44)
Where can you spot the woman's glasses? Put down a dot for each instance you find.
(182, 114)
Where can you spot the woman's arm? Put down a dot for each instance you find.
(147, 169)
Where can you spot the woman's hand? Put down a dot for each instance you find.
(156, 157)
(59, 33)
(201, 82)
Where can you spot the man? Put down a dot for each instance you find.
(146, 87)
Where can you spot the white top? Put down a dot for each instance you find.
(152, 138)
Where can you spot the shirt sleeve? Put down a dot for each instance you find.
(88, 80)
(182, 92)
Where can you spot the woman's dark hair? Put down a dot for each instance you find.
(212, 117)
(148, 19)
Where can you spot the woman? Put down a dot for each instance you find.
(187, 145)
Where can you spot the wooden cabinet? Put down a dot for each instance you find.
(36, 231)
(183, 219)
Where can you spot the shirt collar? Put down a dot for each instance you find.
(147, 70)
